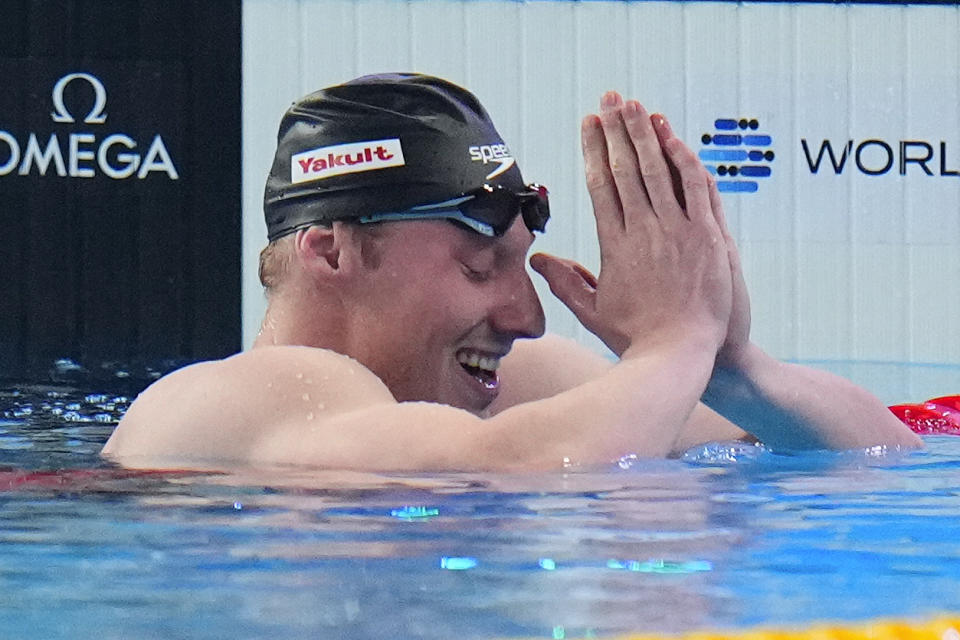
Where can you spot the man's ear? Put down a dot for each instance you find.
(318, 249)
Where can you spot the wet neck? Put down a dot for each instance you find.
(300, 320)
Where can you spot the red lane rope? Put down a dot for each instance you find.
(75, 479)
(937, 416)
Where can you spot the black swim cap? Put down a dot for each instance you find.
(382, 143)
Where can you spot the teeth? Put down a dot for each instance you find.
(478, 362)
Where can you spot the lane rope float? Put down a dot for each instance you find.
(936, 416)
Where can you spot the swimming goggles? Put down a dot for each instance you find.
(489, 210)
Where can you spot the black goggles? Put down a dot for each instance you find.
(489, 210)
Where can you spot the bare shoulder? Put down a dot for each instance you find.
(544, 367)
(223, 408)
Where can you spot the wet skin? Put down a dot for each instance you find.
(479, 299)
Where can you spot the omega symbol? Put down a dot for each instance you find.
(96, 114)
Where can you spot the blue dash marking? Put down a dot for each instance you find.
(729, 139)
(758, 140)
(724, 155)
(755, 172)
(736, 186)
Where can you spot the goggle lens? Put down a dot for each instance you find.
(498, 207)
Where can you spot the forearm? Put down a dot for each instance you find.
(706, 425)
(795, 407)
(638, 406)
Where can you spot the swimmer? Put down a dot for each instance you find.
(403, 331)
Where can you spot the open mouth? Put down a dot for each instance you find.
(482, 367)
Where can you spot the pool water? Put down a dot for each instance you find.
(730, 537)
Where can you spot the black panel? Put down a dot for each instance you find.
(129, 254)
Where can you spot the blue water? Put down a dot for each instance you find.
(729, 537)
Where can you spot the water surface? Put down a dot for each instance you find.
(729, 537)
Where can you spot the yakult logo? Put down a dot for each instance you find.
(115, 156)
(317, 164)
(487, 153)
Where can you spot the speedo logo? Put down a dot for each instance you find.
(339, 159)
(488, 153)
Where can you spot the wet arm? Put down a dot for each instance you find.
(638, 406)
(790, 406)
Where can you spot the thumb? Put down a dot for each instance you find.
(570, 281)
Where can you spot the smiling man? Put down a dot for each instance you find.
(403, 331)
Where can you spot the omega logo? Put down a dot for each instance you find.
(96, 115)
(115, 156)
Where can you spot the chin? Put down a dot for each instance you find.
(476, 406)
(440, 393)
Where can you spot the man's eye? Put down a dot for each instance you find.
(475, 275)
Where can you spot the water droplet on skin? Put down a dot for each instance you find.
(299, 376)
(308, 381)
(310, 416)
(306, 396)
(269, 385)
(321, 406)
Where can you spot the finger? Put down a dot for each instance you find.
(664, 132)
(716, 205)
(623, 159)
(571, 282)
(693, 179)
(600, 185)
(653, 165)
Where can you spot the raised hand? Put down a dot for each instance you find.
(738, 328)
(665, 273)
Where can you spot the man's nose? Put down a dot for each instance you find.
(520, 313)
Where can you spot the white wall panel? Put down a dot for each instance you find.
(821, 77)
(841, 264)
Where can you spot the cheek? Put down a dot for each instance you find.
(427, 306)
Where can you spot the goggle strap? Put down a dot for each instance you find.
(449, 214)
(532, 204)
(446, 204)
